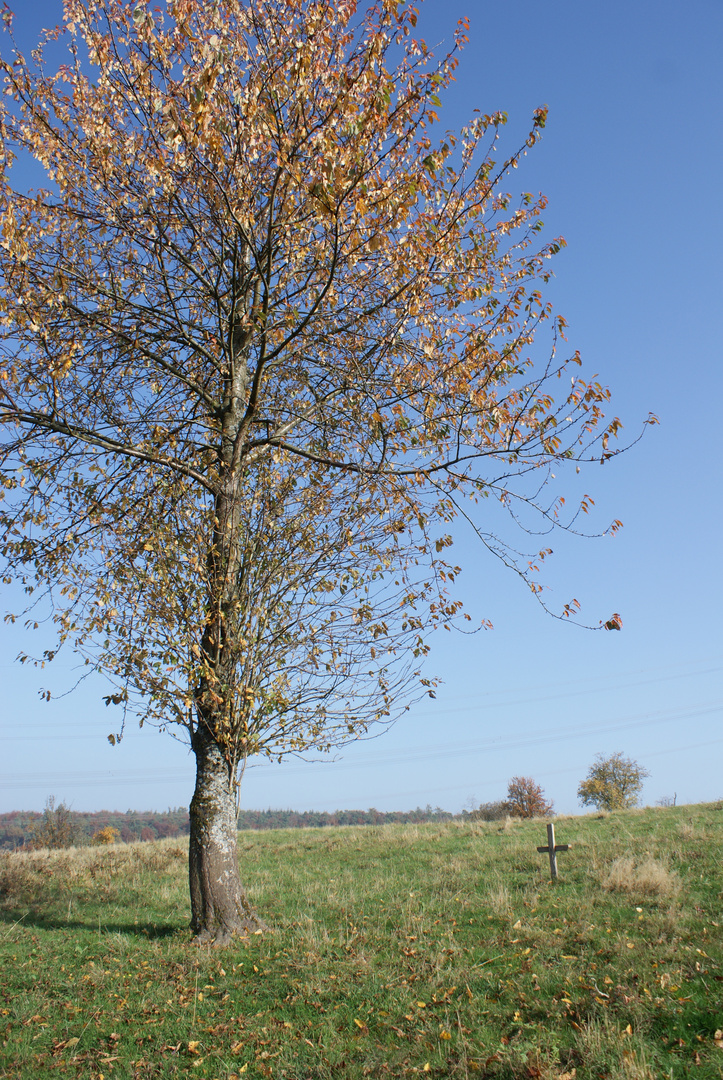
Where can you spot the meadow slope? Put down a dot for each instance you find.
(395, 951)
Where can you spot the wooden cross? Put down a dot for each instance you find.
(552, 849)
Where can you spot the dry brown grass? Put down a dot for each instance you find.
(648, 877)
(27, 876)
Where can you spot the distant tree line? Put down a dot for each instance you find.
(58, 826)
(313, 819)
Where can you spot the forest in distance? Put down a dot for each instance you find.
(18, 827)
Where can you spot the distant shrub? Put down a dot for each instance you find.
(491, 811)
(56, 828)
(108, 835)
(667, 800)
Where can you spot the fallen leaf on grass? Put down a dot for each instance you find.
(362, 1026)
(65, 1044)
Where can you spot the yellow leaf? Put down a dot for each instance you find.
(421, 1004)
(359, 1024)
(427, 1067)
(193, 1046)
(72, 1042)
(444, 1034)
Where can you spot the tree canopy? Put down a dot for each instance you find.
(526, 798)
(265, 336)
(612, 783)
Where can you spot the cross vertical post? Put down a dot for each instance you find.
(551, 849)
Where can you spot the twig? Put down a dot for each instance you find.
(15, 924)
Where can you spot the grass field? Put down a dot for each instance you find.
(439, 950)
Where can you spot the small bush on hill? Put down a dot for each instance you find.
(108, 835)
(491, 811)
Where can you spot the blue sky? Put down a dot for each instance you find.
(631, 161)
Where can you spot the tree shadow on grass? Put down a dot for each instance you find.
(150, 931)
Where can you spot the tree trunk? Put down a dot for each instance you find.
(219, 907)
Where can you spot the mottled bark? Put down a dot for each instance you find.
(219, 907)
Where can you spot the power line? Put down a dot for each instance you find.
(402, 757)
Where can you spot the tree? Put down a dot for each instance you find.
(56, 828)
(526, 799)
(613, 783)
(264, 340)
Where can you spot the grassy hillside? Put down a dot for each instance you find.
(437, 949)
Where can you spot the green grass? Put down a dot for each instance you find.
(439, 950)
